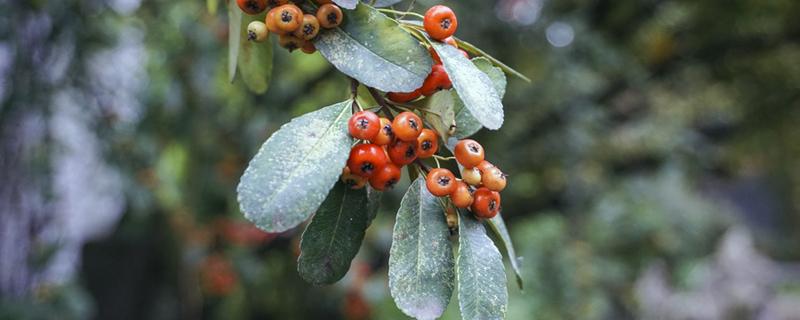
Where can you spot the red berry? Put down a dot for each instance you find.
(469, 153)
(440, 22)
(402, 153)
(386, 177)
(440, 182)
(471, 176)
(484, 165)
(329, 16)
(436, 80)
(364, 125)
(385, 135)
(486, 204)
(252, 7)
(288, 17)
(407, 126)
(403, 97)
(366, 159)
(494, 179)
(427, 143)
(462, 195)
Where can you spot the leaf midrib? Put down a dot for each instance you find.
(336, 225)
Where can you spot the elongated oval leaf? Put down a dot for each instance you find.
(334, 235)
(255, 61)
(474, 87)
(482, 292)
(374, 50)
(347, 4)
(498, 226)
(234, 29)
(290, 175)
(373, 203)
(467, 125)
(421, 258)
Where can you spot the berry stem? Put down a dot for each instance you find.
(385, 106)
(435, 156)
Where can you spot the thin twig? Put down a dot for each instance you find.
(385, 106)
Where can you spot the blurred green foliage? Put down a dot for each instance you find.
(658, 126)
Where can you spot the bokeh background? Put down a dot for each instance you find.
(654, 162)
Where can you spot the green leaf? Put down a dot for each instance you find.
(497, 226)
(443, 115)
(234, 29)
(374, 203)
(474, 87)
(334, 235)
(346, 4)
(255, 61)
(376, 51)
(290, 175)
(467, 125)
(471, 48)
(421, 258)
(482, 292)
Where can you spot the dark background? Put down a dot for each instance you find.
(653, 162)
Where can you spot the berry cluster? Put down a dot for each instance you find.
(294, 28)
(440, 23)
(388, 145)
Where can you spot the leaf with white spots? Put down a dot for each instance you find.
(498, 227)
(376, 51)
(234, 29)
(334, 235)
(442, 114)
(421, 262)
(293, 171)
(467, 125)
(255, 60)
(474, 87)
(482, 292)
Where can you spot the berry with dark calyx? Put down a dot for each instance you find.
(290, 42)
(288, 17)
(440, 22)
(403, 97)
(386, 177)
(252, 7)
(494, 179)
(366, 159)
(486, 203)
(364, 125)
(427, 143)
(272, 22)
(472, 176)
(257, 31)
(462, 195)
(385, 135)
(402, 152)
(353, 181)
(308, 47)
(329, 15)
(436, 80)
(440, 182)
(309, 27)
(407, 126)
(469, 153)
